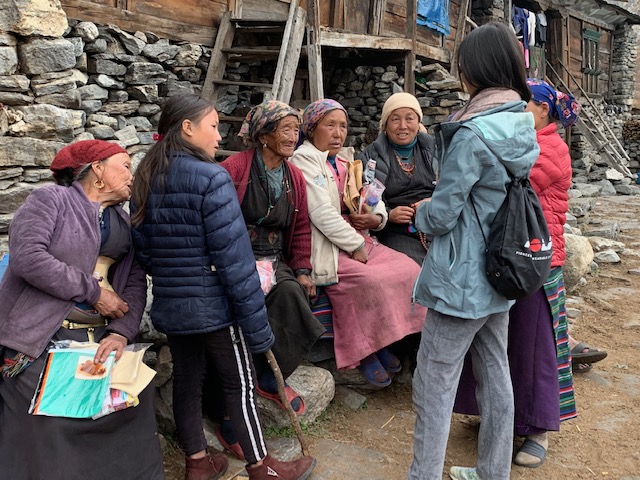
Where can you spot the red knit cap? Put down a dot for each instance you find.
(79, 154)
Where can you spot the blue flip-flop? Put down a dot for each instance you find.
(534, 449)
(374, 372)
(389, 361)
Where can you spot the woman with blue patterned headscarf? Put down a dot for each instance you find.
(562, 107)
(538, 332)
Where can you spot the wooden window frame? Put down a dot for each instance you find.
(590, 60)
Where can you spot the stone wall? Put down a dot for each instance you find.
(92, 82)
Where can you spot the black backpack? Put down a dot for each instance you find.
(518, 252)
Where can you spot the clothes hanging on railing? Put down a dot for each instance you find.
(434, 14)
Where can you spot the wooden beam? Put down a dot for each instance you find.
(218, 62)
(331, 38)
(438, 54)
(284, 46)
(235, 7)
(376, 20)
(292, 55)
(177, 28)
(463, 13)
(314, 51)
(410, 59)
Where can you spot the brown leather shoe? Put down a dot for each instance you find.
(272, 469)
(210, 467)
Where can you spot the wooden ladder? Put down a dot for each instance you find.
(288, 54)
(597, 130)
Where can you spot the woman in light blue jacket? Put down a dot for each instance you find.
(489, 137)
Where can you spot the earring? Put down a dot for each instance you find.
(99, 184)
(264, 146)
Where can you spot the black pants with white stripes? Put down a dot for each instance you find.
(232, 360)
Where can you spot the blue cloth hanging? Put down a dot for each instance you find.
(434, 14)
(4, 263)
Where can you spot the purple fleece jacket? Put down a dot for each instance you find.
(54, 240)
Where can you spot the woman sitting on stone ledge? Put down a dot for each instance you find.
(368, 284)
(273, 200)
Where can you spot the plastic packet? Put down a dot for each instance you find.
(371, 195)
(71, 384)
(266, 267)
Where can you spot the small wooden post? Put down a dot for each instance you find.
(410, 58)
(295, 423)
(314, 50)
(218, 62)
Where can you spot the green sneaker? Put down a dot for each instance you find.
(463, 473)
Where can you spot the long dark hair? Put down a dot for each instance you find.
(490, 57)
(156, 162)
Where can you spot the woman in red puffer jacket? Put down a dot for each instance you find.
(539, 355)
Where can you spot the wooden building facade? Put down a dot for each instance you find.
(368, 24)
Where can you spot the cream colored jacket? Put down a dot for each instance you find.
(330, 232)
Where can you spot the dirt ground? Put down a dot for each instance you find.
(602, 443)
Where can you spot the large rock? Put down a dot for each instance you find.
(33, 17)
(133, 44)
(70, 99)
(144, 73)
(161, 51)
(600, 243)
(315, 385)
(27, 152)
(97, 64)
(40, 55)
(14, 83)
(188, 55)
(88, 31)
(46, 122)
(8, 60)
(578, 261)
(12, 198)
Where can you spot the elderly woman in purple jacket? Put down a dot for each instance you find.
(72, 276)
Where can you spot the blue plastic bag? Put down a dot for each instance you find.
(434, 14)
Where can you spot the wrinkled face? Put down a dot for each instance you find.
(282, 141)
(402, 126)
(204, 133)
(115, 172)
(331, 132)
(540, 113)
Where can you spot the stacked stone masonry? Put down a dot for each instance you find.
(59, 85)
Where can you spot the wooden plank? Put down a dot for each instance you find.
(292, 56)
(266, 52)
(244, 84)
(314, 51)
(337, 14)
(218, 62)
(460, 32)
(356, 16)
(433, 53)
(175, 28)
(410, 59)
(282, 58)
(376, 18)
(330, 38)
